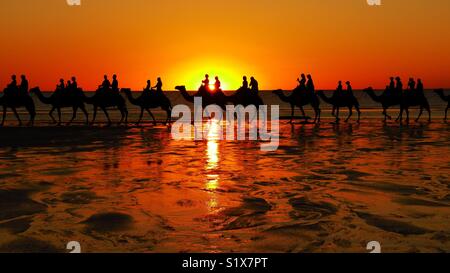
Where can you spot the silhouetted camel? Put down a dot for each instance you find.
(15, 100)
(63, 99)
(217, 98)
(107, 99)
(245, 98)
(440, 92)
(301, 99)
(410, 99)
(150, 100)
(405, 100)
(343, 100)
(387, 99)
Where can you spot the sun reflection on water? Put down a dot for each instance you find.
(212, 162)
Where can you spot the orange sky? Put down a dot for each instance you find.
(182, 40)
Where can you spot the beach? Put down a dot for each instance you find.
(328, 188)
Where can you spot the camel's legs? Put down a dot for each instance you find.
(141, 116)
(4, 115)
(292, 113)
(51, 114)
(59, 115)
(420, 114)
(446, 112)
(303, 111)
(350, 113)
(32, 112)
(429, 112)
(317, 114)
(83, 109)
(17, 115)
(107, 115)
(337, 114)
(400, 116)
(95, 114)
(125, 110)
(169, 116)
(74, 116)
(359, 113)
(151, 114)
(407, 115)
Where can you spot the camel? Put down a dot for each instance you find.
(245, 98)
(405, 100)
(13, 99)
(217, 98)
(440, 92)
(150, 101)
(344, 100)
(105, 99)
(301, 99)
(410, 99)
(60, 100)
(387, 100)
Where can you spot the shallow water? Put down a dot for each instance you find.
(328, 188)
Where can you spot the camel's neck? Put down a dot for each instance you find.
(88, 100)
(132, 100)
(374, 96)
(284, 98)
(325, 98)
(443, 97)
(186, 95)
(43, 98)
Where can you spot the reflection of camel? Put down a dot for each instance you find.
(440, 92)
(15, 100)
(149, 101)
(301, 99)
(63, 99)
(405, 100)
(343, 100)
(387, 100)
(104, 99)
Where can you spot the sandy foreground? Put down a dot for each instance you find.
(327, 188)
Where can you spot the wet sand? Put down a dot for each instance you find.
(328, 188)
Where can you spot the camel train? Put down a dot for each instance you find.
(108, 96)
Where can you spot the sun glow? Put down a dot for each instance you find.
(191, 74)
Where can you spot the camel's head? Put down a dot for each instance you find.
(125, 90)
(35, 90)
(439, 91)
(180, 88)
(368, 89)
(277, 92)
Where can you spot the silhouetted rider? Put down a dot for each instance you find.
(411, 84)
(74, 84)
(310, 85)
(115, 84)
(217, 84)
(244, 83)
(254, 85)
(12, 86)
(23, 89)
(392, 84)
(398, 86)
(158, 85)
(205, 82)
(419, 88)
(349, 89)
(106, 84)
